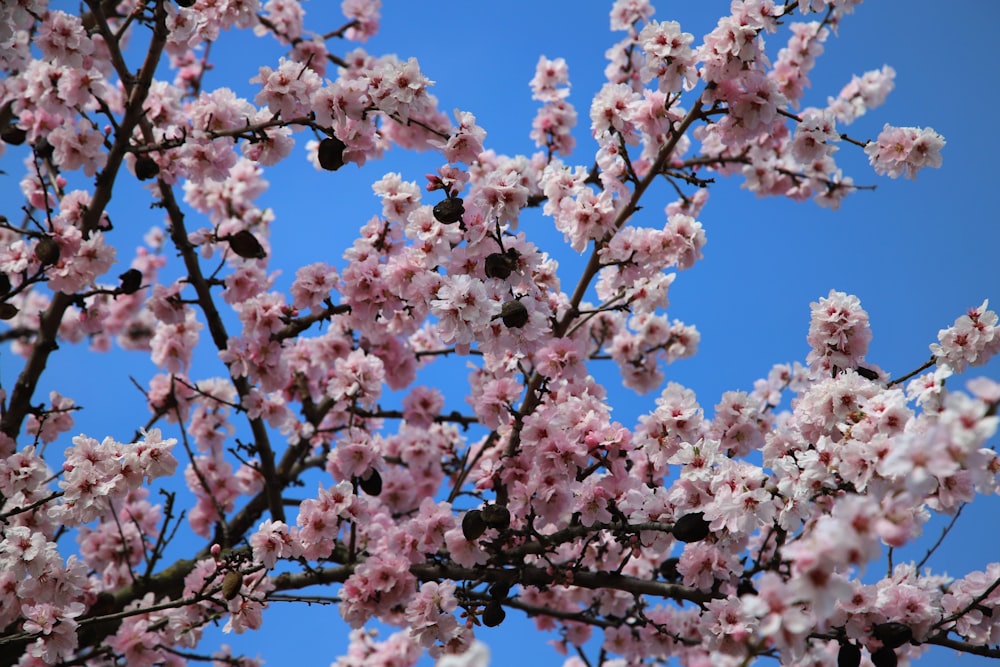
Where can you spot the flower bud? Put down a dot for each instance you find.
(7, 310)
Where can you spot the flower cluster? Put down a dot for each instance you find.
(316, 459)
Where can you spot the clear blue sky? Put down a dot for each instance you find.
(916, 253)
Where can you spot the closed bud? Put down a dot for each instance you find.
(7, 310)
(131, 281)
(246, 245)
(231, 584)
(372, 484)
(185, 3)
(330, 153)
(146, 168)
(849, 655)
(496, 516)
(691, 527)
(493, 614)
(4, 283)
(448, 211)
(47, 251)
(514, 314)
(473, 525)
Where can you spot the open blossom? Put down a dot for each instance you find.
(695, 538)
(903, 151)
(972, 340)
(838, 332)
(365, 14)
(272, 541)
(863, 93)
(669, 57)
(430, 616)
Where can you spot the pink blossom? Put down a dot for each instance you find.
(669, 57)
(972, 340)
(366, 13)
(903, 151)
(173, 344)
(625, 13)
(58, 627)
(838, 332)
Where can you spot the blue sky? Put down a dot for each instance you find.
(916, 253)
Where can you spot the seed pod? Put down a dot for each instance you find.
(866, 373)
(668, 569)
(496, 516)
(499, 590)
(892, 634)
(372, 484)
(231, 584)
(131, 281)
(514, 314)
(493, 614)
(13, 135)
(146, 168)
(7, 310)
(745, 587)
(246, 245)
(103, 604)
(330, 153)
(449, 210)
(473, 525)
(885, 657)
(849, 655)
(691, 527)
(47, 251)
(501, 264)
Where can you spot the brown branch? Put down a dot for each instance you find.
(51, 318)
(217, 329)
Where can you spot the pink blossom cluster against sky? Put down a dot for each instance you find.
(917, 254)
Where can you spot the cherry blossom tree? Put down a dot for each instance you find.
(311, 462)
